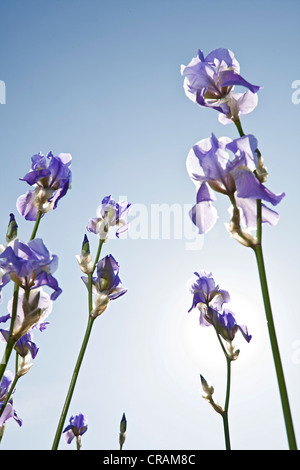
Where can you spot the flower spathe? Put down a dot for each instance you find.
(30, 265)
(212, 170)
(110, 214)
(210, 81)
(51, 178)
(107, 285)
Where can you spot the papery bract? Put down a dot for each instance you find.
(51, 178)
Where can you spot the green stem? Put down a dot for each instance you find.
(226, 406)
(72, 384)
(36, 225)
(10, 342)
(275, 349)
(98, 254)
(270, 322)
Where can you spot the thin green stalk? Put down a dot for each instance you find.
(98, 254)
(80, 356)
(275, 349)
(36, 225)
(72, 384)
(224, 413)
(270, 322)
(11, 342)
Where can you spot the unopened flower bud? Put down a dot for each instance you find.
(85, 259)
(208, 389)
(12, 230)
(123, 427)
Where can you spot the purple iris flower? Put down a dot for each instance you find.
(8, 411)
(77, 427)
(209, 81)
(211, 169)
(107, 285)
(30, 266)
(205, 291)
(110, 214)
(209, 299)
(51, 178)
(226, 325)
(24, 345)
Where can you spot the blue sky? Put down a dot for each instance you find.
(101, 80)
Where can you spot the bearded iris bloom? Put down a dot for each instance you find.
(209, 299)
(107, 285)
(213, 171)
(76, 428)
(205, 291)
(111, 213)
(210, 81)
(30, 266)
(51, 178)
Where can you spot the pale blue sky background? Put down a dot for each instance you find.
(101, 80)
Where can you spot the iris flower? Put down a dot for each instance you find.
(212, 170)
(110, 214)
(29, 265)
(51, 178)
(209, 299)
(77, 427)
(107, 285)
(210, 81)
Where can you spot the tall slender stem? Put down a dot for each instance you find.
(72, 384)
(226, 406)
(270, 322)
(275, 349)
(224, 413)
(80, 356)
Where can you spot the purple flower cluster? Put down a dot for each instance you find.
(231, 167)
(209, 299)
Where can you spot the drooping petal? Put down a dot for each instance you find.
(230, 78)
(249, 212)
(248, 186)
(204, 215)
(26, 207)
